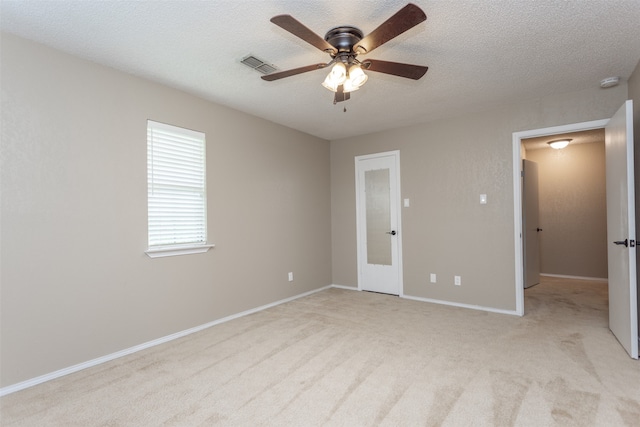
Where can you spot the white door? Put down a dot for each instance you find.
(621, 229)
(531, 224)
(378, 222)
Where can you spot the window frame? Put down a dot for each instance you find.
(199, 189)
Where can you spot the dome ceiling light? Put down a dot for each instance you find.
(559, 144)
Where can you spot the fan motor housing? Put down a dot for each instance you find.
(343, 38)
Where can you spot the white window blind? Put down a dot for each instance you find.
(177, 197)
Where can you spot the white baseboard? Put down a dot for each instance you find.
(562, 276)
(441, 302)
(457, 304)
(90, 363)
(349, 288)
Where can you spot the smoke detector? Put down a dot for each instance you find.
(609, 82)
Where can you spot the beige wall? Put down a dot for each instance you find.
(445, 166)
(573, 209)
(76, 284)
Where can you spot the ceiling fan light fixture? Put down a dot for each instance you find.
(357, 77)
(330, 84)
(345, 43)
(559, 143)
(349, 86)
(336, 77)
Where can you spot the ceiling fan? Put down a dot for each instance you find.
(345, 43)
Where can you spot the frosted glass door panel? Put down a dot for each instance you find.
(378, 219)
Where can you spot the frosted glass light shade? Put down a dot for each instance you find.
(349, 87)
(336, 77)
(330, 84)
(357, 76)
(559, 144)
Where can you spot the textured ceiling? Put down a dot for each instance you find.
(480, 53)
(582, 137)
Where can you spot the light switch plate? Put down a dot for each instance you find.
(406, 203)
(483, 199)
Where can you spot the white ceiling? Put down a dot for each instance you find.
(480, 53)
(581, 137)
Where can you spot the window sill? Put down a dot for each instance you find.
(166, 251)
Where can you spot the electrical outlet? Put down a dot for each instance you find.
(433, 277)
(457, 280)
(291, 276)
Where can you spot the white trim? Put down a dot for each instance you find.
(109, 357)
(517, 223)
(517, 193)
(164, 251)
(348, 288)
(457, 304)
(441, 302)
(563, 276)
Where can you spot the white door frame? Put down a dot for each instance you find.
(517, 192)
(361, 256)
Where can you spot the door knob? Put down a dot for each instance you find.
(538, 229)
(392, 232)
(624, 242)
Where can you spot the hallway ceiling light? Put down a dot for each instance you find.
(559, 143)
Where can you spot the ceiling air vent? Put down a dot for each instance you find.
(258, 64)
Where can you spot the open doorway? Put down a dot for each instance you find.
(571, 224)
(621, 219)
(565, 222)
(517, 191)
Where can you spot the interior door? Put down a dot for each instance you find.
(621, 230)
(531, 223)
(378, 222)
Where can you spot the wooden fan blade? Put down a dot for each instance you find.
(405, 19)
(296, 28)
(408, 71)
(288, 73)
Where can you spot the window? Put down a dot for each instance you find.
(177, 198)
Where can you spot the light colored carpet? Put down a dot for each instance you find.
(345, 358)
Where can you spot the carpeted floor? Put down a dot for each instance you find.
(345, 358)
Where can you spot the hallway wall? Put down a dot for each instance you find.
(573, 210)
